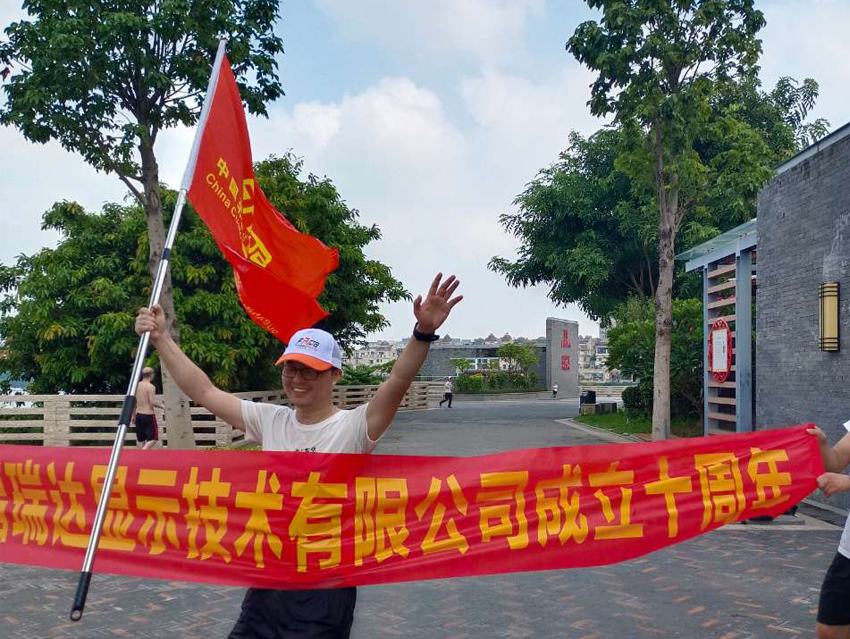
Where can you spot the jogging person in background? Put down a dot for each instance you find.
(447, 393)
(311, 365)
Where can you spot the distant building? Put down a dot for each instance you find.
(557, 356)
(593, 359)
(374, 353)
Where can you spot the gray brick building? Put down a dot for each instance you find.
(804, 241)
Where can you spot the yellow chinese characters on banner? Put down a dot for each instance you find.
(317, 520)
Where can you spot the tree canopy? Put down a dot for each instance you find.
(517, 357)
(657, 64)
(67, 315)
(101, 78)
(631, 349)
(105, 78)
(593, 238)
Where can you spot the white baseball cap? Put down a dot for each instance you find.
(313, 347)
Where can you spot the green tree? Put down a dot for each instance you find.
(631, 349)
(360, 375)
(67, 315)
(104, 79)
(593, 238)
(519, 358)
(658, 63)
(582, 230)
(385, 369)
(462, 364)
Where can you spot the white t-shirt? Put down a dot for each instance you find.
(844, 544)
(448, 387)
(277, 428)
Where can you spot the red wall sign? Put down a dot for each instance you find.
(720, 350)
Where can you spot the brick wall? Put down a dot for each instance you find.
(804, 240)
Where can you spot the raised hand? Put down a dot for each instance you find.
(435, 308)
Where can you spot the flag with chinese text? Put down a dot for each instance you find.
(276, 266)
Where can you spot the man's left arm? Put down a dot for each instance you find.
(430, 314)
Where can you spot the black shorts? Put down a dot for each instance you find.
(834, 604)
(296, 614)
(146, 427)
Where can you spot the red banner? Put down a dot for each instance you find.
(260, 244)
(309, 520)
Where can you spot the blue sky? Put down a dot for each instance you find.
(430, 117)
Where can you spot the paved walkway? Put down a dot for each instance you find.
(739, 582)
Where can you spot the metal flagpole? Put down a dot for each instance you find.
(130, 398)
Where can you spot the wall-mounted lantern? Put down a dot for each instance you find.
(829, 302)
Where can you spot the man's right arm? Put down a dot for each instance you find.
(191, 379)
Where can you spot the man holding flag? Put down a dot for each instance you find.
(310, 367)
(279, 273)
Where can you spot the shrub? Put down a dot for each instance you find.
(470, 382)
(631, 345)
(637, 400)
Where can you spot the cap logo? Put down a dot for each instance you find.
(308, 343)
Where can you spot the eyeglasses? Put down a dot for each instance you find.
(306, 373)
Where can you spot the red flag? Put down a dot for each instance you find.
(273, 304)
(278, 269)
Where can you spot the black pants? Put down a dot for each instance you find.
(296, 614)
(834, 604)
(146, 427)
(447, 397)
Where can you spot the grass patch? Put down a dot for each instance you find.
(623, 425)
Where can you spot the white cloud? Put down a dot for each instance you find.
(39, 176)
(35, 176)
(489, 29)
(436, 189)
(525, 124)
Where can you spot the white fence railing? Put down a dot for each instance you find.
(92, 420)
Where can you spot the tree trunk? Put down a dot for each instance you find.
(177, 415)
(663, 327)
(667, 193)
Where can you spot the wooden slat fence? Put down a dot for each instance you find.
(92, 420)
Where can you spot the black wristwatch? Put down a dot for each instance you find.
(424, 337)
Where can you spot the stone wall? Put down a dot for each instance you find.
(804, 240)
(562, 356)
(438, 363)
